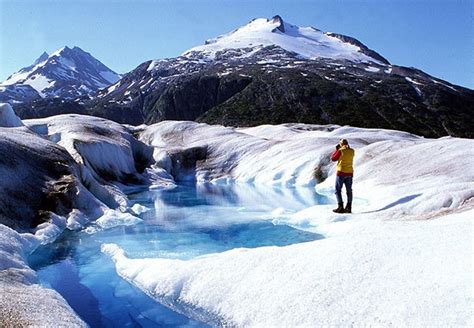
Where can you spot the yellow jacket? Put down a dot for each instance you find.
(344, 157)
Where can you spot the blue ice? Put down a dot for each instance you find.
(182, 223)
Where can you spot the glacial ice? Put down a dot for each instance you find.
(8, 118)
(372, 272)
(112, 218)
(104, 147)
(383, 265)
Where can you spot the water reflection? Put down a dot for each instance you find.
(182, 223)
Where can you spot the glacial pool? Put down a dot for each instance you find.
(180, 223)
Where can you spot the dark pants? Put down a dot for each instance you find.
(347, 181)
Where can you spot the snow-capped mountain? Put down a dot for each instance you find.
(271, 71)
(66, 73)
(266, 72)
(307, 42)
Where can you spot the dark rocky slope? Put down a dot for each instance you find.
(320, 91)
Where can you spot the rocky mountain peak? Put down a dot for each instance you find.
(41, 58)
(280, 24)
(68, 73)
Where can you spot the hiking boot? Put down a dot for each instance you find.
(339, 209)
(348, 208)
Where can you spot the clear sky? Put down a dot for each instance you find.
(436, 36)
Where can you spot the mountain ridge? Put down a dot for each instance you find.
(67, 73)
(270, 72)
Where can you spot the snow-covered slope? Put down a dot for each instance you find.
(307, 42)
(67, 73)
(383, 265)
(298, 154)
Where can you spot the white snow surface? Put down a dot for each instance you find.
(398, 172)
(308, 42)
(8, 117)
(113, 218)
(403, 258)
(376, 273)
(39, 83)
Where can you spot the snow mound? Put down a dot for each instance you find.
(372, 283)
(106, 148)
(8, 118)
(112, 218)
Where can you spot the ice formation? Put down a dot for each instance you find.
(386, 264)
(8, 118)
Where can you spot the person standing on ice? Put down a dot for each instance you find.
(344, 155)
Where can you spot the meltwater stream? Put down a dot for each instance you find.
(181, 223)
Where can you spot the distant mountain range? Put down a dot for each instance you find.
(68, 73)
(268, 71)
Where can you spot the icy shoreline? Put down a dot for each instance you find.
(366, 273)
(405, 179)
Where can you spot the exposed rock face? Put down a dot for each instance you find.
(317, 93)
(21, 92)
(281, 25)
(48, 107)
(363, 48)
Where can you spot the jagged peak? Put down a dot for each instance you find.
(41, 58)
(281, 24)
(69, 66)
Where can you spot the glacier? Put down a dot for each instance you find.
(403, 258)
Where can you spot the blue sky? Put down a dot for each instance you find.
(435, 36)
